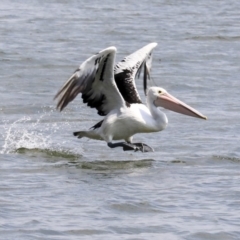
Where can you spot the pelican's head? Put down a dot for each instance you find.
(161, 98)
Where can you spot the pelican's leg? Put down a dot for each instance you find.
(126, 146)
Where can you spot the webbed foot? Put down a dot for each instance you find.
(143, 147)
(131, 146)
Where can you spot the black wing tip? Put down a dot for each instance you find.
(62, 103)
(145, 92)
(60, 107)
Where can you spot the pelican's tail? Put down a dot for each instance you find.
(89, 134)
(80, 134)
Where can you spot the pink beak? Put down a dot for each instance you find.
(171, 103)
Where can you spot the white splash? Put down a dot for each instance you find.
(19, 136)
(30, 133)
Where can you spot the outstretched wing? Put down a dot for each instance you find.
(129, 68)
(95, 80)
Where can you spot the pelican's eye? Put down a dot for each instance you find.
(159, 91)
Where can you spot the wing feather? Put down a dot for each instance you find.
(131, 67)
(95, 80)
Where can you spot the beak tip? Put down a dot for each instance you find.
(205, 118)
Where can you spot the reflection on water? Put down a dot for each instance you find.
(227, 158)
(79, 162)
(116, 165)
(47, 153)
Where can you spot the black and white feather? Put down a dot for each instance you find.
(130, 68)
(95, 80)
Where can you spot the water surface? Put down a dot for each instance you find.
(54, 186)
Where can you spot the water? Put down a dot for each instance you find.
(53, 186)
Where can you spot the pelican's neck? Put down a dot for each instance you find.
(160, 118)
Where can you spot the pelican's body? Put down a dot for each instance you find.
(112, 91)
(139, 120)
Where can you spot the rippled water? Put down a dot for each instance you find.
(53, 186)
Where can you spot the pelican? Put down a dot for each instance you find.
(112, 91)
